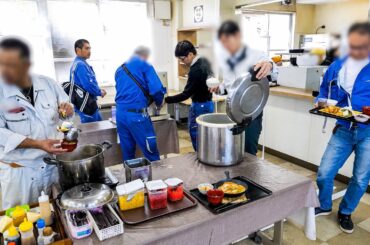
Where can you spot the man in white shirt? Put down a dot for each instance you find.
(236, 59)
(30, 106)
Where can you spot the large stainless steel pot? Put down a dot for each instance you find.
(221, 136)
(217, 144)
(83, 165)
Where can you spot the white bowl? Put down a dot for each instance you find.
(213, 82)
(204, 191)
(331, 102)
(362, 118)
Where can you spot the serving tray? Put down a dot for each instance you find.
(139, 215)
(57, 225)
(316, 111)
(254, 192)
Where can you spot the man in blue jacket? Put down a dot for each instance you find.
(347, 81)
(133, 122)
(84, 76)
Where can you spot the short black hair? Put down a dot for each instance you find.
(228, 27)
(18, 45)
(80, 43)
(183, 48)
(362, 28)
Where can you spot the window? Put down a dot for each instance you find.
(270, 32)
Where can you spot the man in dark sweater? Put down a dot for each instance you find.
(196, 86)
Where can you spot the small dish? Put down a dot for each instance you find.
(331, 102)
(362, 118)
(212, 82)
(204, 187)
(215, 196)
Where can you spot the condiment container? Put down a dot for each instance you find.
(45, 209)
(175, 190)
(12, 235)
(40, 224)
(48, 235)
(27, 236)
(131, 195)
(157, 194)
(18, 216)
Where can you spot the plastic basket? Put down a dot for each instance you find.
(110, 231)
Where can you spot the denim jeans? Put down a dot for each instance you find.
(195, 111)
(342, 143)
(252, 135)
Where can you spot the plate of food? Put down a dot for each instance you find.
(339, 112)
(231, 187)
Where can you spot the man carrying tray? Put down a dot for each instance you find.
(348, 80)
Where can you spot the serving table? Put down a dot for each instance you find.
(291, 193)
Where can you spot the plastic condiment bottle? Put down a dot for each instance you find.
(26, 229)
(13, 236)
(45, 210)
(18, 216)
(40, 224)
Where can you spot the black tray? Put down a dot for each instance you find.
(253, 193)
(316, 111)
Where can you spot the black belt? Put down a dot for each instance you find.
(144, 110)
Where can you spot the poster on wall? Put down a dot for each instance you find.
(198, 14)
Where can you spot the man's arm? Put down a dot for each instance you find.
(187, 93)
(156, 89)
(87, 80)
(11, 141)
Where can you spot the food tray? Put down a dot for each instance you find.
(253, 193)
(57, 226)
(316, 111)
(139, 215)
(107, 232)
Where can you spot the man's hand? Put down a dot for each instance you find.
(66, 110)
(50, 146)
(214, 89)
(103, 93)
(266, 68)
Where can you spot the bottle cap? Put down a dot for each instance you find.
(12, 231)
(18, 212)
(40, 223)
(43, 197)
(25, 226)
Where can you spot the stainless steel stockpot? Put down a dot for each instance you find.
(83, 165)
(217, 144)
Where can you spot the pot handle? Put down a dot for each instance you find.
(50, 161)
(239, 128)
(106, 145)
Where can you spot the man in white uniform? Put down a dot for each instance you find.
(29, 112)
(236, 59)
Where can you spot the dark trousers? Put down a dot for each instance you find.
(252, 135)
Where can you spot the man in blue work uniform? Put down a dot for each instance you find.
(348, 80)
(84, 77)
(196, 87)
(133, 122)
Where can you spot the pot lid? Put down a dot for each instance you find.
(246, 99)
(86, 196)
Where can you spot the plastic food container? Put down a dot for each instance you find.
(175, 190)
(157, 194)
(131, 195)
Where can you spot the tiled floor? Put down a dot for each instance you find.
(327, 229)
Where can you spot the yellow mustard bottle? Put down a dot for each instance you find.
(18, 216)
(27, 236)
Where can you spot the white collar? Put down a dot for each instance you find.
(196, 58)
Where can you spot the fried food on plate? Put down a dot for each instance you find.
(231, 188)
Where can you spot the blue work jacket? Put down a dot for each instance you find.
(84, 76)
(360, 94)
(129, 95)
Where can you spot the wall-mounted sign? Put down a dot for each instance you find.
(198, 14)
